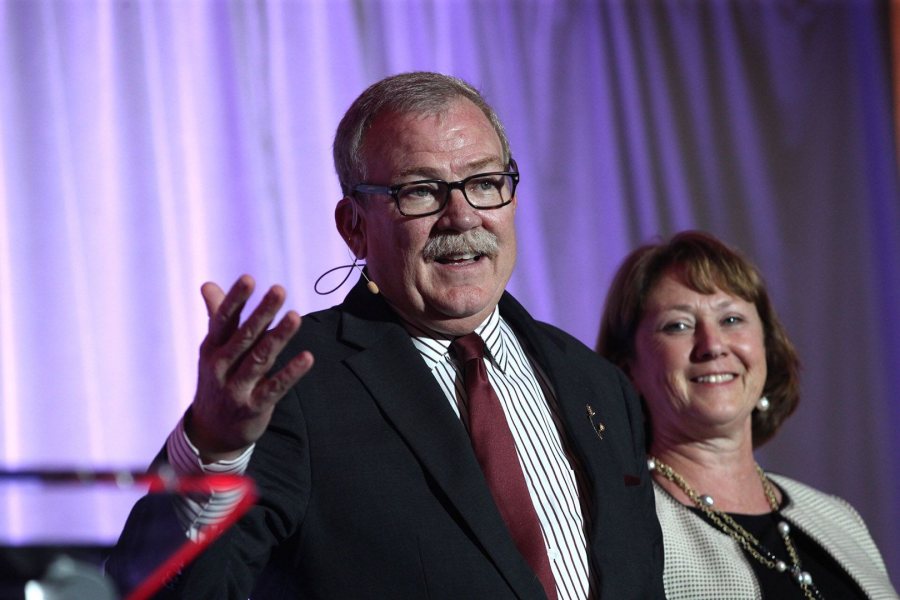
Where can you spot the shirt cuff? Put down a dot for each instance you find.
(185, 457)
(198, 511)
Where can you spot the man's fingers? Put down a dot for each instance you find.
(258, 360)
(250, 337)
(212, 297)
(271, 390)
(225, 309)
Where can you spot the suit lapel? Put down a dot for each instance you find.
(415, 405)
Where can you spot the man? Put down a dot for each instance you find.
(379, 473)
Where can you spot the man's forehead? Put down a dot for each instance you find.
(400, 120)
(408, 143)
(492, 163)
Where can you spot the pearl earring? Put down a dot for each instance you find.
(763, 404)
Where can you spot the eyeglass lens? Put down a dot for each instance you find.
(482, 191)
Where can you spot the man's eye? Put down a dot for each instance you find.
(418, 192)
(483, 185)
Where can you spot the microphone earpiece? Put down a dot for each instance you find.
(371, 285)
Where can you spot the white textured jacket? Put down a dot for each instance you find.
(702, 562)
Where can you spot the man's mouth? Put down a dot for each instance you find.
(455, 259)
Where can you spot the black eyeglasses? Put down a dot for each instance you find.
(430, 196)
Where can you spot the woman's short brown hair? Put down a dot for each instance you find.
(707, 264)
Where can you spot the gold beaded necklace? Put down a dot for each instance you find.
(744, 538)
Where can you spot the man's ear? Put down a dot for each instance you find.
(350, 225)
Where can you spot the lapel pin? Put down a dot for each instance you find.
(598, 427)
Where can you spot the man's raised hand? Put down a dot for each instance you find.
(236, 394)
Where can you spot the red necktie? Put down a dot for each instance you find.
(495, 449)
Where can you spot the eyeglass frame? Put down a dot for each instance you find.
(393, 190)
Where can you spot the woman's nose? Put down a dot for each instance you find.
(709, 342)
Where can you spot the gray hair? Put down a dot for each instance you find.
(418, 92)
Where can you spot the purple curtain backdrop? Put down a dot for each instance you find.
(146, 147)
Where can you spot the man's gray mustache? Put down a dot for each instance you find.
(476, 241)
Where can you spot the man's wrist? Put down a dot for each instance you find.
(187, 458)
(206, 450)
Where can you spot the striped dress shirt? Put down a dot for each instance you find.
(529, 402)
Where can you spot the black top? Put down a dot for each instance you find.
(828, 577)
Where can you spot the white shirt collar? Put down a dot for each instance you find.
(435, 346)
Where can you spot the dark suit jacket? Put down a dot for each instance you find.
(370, 489)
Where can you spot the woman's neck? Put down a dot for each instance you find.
(727, 473)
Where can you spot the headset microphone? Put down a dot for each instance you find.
(371, 285)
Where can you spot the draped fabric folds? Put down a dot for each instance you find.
(146, 147)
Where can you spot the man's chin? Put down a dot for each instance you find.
(458, 313)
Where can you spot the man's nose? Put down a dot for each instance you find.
(458, 214)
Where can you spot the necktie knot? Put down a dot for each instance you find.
(468, 347)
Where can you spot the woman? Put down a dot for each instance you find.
(691, 323)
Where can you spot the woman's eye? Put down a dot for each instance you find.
(675, 327)
(732, 320)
